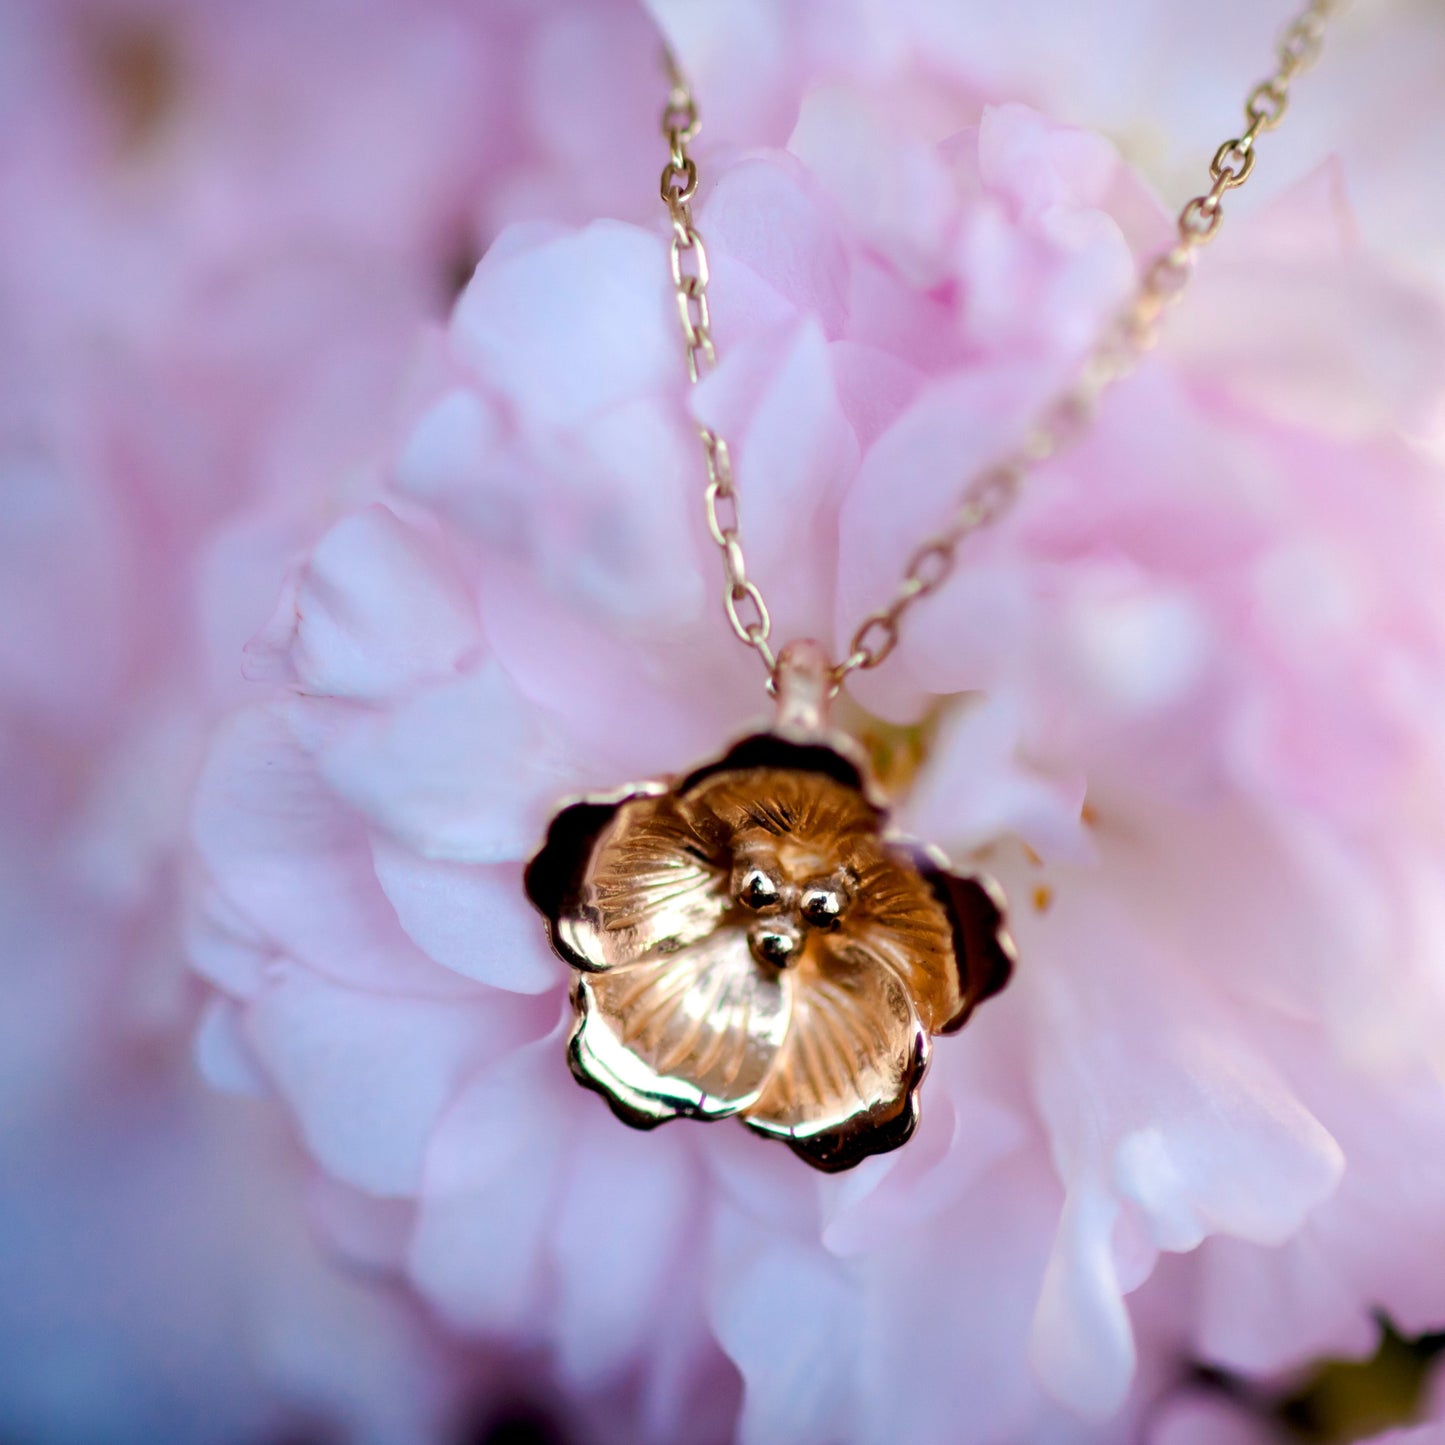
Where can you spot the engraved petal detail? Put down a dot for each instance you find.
(843, 1082)
(692, 1032)
(904, 926)
(652, 889)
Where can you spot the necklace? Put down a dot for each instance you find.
(754, 940)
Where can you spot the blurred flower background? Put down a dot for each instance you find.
(350, 515)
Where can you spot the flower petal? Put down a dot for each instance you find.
(622, 1235)
(796, 1372)
(471, 918)
(959, 1140)
(1081, 1344)
(368, 1074)
(980, 785)
(618, 889)
(776, 398)
(224, 1058)
(1295, 281)
(693, 1033)
(913, 926)
(494, 1162)
(374, 611)
(541, 324)
(777, 248)
(844, 1081)
(293, 869)
(462, 771)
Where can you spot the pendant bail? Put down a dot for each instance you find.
(803, 685)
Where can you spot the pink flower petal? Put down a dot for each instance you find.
(374, 611)
(466, 771)
(473, 919)
(623, 1245)
(493, 1167)
(794, 454)
(1081, 1342)
(794, 1371)
(774, 229)
(223, 1055)
(264, 820)
(367, 1074)
(541, 325)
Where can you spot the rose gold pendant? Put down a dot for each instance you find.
(754, 940)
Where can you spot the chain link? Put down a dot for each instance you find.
(991, 493)
(747, 613)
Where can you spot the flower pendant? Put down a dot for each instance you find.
(754, 940)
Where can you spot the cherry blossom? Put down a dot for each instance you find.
(1182, 702)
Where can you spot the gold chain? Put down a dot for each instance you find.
(746, 610)
(989, 494)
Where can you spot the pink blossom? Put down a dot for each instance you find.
(1183, 703)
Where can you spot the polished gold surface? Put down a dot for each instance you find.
(754, 941)
(988, 495)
